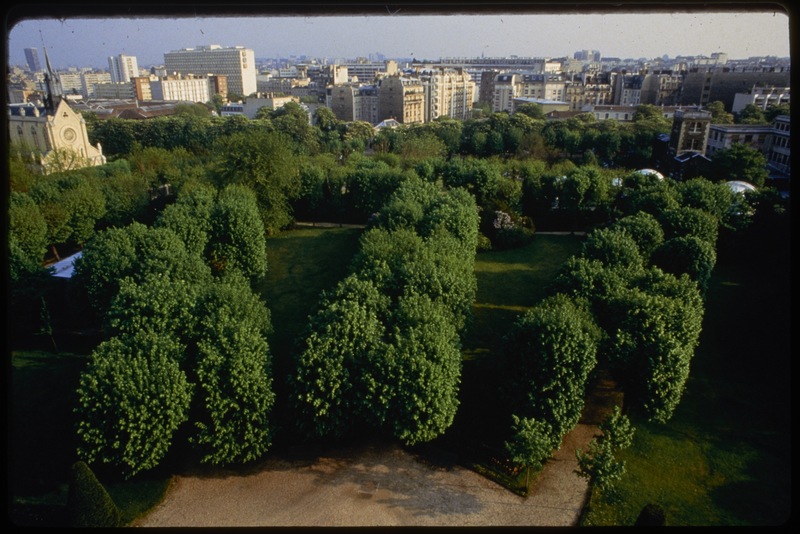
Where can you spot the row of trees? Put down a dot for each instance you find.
(631, 303)
(186, 363)
(383, 350)
(186, 358)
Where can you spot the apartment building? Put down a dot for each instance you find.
(401, 98)
(251, 107)
(661, 88)
(628, 89)
(448, 92)
(236, 63)
(588, 90)
(777, 148)
(354, 102)
(508, 86)
(366, 71)
(506, 89)
(690, 131)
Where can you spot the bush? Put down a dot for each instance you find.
(89, 504)
(652, 515)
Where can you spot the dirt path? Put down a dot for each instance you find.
(373, 485)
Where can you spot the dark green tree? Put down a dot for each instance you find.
(740, 162)
(422, 370)
(751, 114)
(336, 382)
(687, 254)
(27, 233)
(136, 251)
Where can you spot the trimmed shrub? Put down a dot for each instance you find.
(652, 515)
(89, 504)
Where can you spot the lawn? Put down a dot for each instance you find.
(724, 458)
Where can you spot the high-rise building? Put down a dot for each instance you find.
(123, 68)
(237, 63)
(32, 57)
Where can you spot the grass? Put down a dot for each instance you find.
(510, 282)
(724, 458)
(302, 263)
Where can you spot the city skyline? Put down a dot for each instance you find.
(88, 42)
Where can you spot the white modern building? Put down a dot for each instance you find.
(181, 89)
(123, 68)
(237, 63)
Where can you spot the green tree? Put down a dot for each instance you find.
(687, 254)
(614, 248)
(336, 381)
(127, 196)
(531, 110)
(158, 304)
(652, 346)
(294, 121)
(600, 464)
(237, 237)
(718, 113)
(685, 221)
(739, 162)
(189, 217)
(264, 162)
(645, 230)
(714, 198)
(530, 443)
(424, 370)
(751, 114)
(649, 195)
(132, 398)
(617, 429)
(136, 251)
(551, 351)
(234, 383)
(776, 110)
(27, 232)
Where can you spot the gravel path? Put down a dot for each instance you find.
(373, 485)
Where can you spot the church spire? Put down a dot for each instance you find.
(51, 82)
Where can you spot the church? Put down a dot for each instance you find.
(52, 133)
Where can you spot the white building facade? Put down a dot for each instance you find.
(123, 68)
(237, 63)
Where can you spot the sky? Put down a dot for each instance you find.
(89, 41)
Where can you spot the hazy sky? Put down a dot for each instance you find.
(89, 42)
